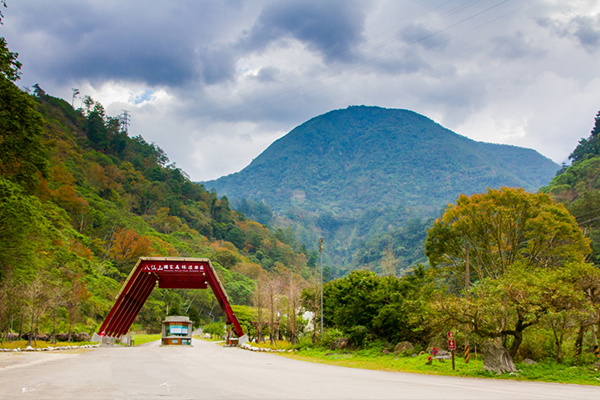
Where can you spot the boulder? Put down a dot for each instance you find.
(339, 344)
(386, 352)
(62, 337)
(402, 347)
(529, 361)
(596, 365)
(496, 358)
(81, 337)
(443, 353)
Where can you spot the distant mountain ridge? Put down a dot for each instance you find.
(350, 160)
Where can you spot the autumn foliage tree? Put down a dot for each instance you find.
(128, 246)
(519, 245)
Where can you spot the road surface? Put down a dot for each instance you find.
(209, 371)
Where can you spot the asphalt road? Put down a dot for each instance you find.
(208, 371)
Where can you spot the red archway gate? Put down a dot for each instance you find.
(168, 273)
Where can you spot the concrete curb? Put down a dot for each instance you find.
(31, 349)
(248, 346)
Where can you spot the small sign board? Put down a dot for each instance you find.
(451, 344)
(450, 335)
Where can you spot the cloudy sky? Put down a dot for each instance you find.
(215, 82)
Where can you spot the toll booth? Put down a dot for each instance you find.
(176, 331)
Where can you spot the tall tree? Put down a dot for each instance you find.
(22, 152)
(588, 147)
(517, 242)
(502, 227)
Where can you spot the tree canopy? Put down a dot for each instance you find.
(503, 227)
(527, 259)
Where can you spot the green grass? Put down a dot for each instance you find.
(280, 345)
(144, 338)
(375, 360)
(40, 344)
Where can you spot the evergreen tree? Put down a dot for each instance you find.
(588, 147)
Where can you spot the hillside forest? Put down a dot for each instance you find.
(81, 201)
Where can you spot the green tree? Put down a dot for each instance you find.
(22, 151)
(519, 244)
(10, 67)
(23, 228)
(502, 227)
(588, 147)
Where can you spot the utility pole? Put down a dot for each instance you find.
(321, 253)
(75, 93)
(125, 118)
(467, 281)
(467, 270)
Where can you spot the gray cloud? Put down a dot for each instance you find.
(513, 47)
(328, 27)
(137, 41)
(423, 37)
(218, 64)
(587, 31)
(584, 29)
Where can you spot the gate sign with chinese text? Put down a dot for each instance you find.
(168, 273)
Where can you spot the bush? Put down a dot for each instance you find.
(331, 334)
(214, 329)
(357, 335)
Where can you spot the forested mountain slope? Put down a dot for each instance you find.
(357, 176)
(362, 157)
(80, 201)
(578, 187)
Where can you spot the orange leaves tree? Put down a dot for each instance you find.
(518, 242)
(127, 247)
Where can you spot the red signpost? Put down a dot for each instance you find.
(451, 346)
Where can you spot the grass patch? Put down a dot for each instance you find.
(40, 344)
(279, 345)
(144, 338)
(375, 360)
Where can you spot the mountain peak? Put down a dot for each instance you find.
(361, 157)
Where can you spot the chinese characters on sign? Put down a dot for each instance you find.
(182, 268)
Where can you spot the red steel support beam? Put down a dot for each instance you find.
(185, 273)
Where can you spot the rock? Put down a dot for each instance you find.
(81, 337)
(29, 348)
(386, 352)
(339, 344)
(402, 347)
(496, 358)
(443, 353)
(207, 336)
(62, 337)
(529, 361)
(596, 365)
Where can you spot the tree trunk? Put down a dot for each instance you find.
(518, 339)
(54, 328)
(30, 330)
(579, 340)
(21, 326)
